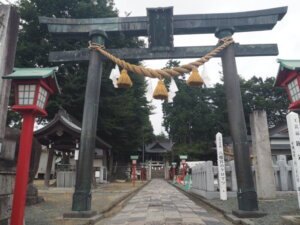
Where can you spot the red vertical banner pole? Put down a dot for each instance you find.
(183, 172)
(174, 173)
(142, 173)
(134, 174)
(19, 198)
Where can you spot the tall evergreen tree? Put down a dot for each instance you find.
(197, 114)
(123, 114)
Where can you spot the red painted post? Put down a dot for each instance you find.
(183, 172)
(174, 167)
(22, 170)
(134, 174)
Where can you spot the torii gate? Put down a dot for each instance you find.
(160, 25)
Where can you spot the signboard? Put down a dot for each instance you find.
(134, 161)
(134, 157)
(160, 28)
(183, 156)
(221, 167)
(294, 134)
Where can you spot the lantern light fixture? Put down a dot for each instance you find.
(32, 88)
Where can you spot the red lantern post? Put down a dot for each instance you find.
(183, 158)
(142, 172)
(32, 88)
(134, 161)
(183, 169)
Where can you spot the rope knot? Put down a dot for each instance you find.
(95, 45)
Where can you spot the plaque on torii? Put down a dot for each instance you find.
(159, 26)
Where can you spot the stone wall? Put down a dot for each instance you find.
(7, 182)
(205, 178)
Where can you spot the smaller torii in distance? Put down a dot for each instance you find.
(159, 26)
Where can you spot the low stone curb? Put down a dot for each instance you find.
(228, 216)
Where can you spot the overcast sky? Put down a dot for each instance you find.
(286, 34)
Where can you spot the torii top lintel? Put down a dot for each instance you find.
(182, 24)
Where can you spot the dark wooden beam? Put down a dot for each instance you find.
(178, 53)
(183, 24)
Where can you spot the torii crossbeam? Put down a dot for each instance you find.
(160, 25)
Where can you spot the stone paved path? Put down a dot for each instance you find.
(160, 203)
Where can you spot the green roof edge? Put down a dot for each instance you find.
(10, 76)
(286, 63)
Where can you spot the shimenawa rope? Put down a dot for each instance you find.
(165, 73)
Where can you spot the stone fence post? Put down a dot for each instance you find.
(209, 176)
(283, 173)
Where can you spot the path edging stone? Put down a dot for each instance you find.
(230, 217)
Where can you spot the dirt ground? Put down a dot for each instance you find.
(59, 200)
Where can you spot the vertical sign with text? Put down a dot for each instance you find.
(294, 134)
(221, 167)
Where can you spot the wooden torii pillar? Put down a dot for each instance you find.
(160, 25)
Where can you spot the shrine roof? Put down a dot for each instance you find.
(158, 147)
(64, 123)
(291, 64)
(285, 67)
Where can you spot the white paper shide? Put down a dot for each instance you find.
(172, 90)
(114, 75)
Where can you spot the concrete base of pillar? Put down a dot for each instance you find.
(32, 197)
(248, 214)
(87, 216)
(32, 200)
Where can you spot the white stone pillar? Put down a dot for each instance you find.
(209, 176)
(294, 134)
(221, 167)
(264, 174)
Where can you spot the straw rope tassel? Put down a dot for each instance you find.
(160, 91)
(195, 80)
(124, 80)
